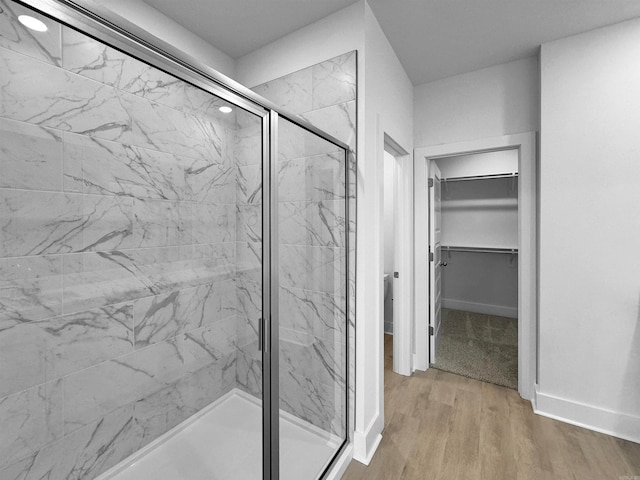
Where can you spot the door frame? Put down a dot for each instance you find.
(525, 143)
(402, 259)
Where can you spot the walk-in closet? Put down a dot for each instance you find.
(478, 332)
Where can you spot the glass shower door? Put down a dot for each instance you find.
(312, 301)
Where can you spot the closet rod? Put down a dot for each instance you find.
(481, 177)
(448, 248)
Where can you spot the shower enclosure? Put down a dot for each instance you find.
(173, 264)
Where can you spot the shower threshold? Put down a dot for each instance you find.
(224, 442)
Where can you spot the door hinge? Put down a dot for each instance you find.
(396, 275)
(430, 330)
(431, 256)
(430, 182)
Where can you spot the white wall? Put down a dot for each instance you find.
(494, 101)
(388, 102)
(164, 28)
(329, 37)
(590, 230)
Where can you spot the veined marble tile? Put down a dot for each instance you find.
(29, 420)
(98, 166)
(30, 289)
(209, 182)
(292, 92)
(247, 143)
(158, 223)
(320, 362)
(312, 223)
(322, 315)
(162, 317)
(249, 305)
(30, 156)
(334, 81)
(321, 269)
(108, 223)
(80, 340)
(91, 393)
(306, 179)
(249, 223)
(249, 261)
(37, 223)
(106, 278)
(22, 358)
(212, 223)
(228, 297)
(337, 120)
(209, 344)
(83, 454)
(64, 101)
(44, 46)
(249, 369)
(249, 182)
(161, 411)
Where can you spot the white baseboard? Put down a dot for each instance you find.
(365, 443)
(487, 309)
(598, 419)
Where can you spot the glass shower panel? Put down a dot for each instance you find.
(312, 317)
(130, 265)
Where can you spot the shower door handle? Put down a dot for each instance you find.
(260, 328)
(264, 334)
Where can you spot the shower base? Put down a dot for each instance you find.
(224, 442)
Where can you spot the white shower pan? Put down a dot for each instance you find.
(224, 442)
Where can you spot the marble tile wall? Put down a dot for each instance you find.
(119, 239)
(313, 304)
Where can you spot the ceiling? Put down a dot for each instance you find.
(433, 38)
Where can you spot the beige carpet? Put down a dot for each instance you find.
(484, 347)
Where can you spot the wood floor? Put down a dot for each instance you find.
(443, 426)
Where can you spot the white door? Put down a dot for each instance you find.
(435, 268)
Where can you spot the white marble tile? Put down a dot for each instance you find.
(22, 358)
(29, 420)
(291, 92)
(163, 317)
(322, 315)
(312, 223)
(65, 101)
(320, 177)
(92, 393)
(334, 81)
(249, 184)
(30, 156)
(321, 269)
(102, 167)
(209, 182)
(247, 143)
(77, 341)
(249, 261)
(108, 223)
(30, 289)
(44, 46)
(337, 120)
(158, 223)
(249, 304)
(37, 223)
(249, 223)
(212, 223)
(84, 453)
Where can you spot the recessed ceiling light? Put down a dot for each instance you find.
(32, 23)
(225, 109)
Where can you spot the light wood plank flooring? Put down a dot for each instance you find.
(443, 426)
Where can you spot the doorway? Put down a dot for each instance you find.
(473, 236)
(517, 253)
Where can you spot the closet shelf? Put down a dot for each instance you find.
(457, 248)
(481, 177)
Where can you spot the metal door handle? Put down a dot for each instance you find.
(443, 264)
(260, 321)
